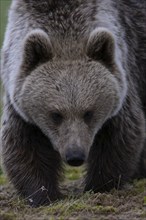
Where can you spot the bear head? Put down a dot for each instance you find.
(69, 100)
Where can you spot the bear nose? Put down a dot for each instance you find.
(75, 157)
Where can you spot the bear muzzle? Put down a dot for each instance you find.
(75, 157)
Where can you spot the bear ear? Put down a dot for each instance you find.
(101, 46)
(36, 50)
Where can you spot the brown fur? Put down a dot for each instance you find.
(74, 78)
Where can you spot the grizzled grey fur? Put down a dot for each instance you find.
(74, 74)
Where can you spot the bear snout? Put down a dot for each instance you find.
(75, 157)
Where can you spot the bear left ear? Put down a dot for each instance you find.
(101, 46)
(36, 50)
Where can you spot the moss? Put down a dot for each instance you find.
(3, 179)
(19, 203)
(140, 185)
(107, 209)
(73, 173)
(54, 208)
(73, 207)
(1, 172)
(143, 215)
(8, 216)
(144, 201)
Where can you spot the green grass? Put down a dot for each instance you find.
(3, 179)
(73, 173)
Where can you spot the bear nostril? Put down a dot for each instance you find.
(75, 162)
(75, 158)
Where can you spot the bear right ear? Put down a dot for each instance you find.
(101, 46)
(36, 50)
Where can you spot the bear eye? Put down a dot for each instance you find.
(88, 116)
(57, 118)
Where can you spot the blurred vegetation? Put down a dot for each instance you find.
(4, 5)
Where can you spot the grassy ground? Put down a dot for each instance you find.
(129, 203)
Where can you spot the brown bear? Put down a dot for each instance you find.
(74, 74)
